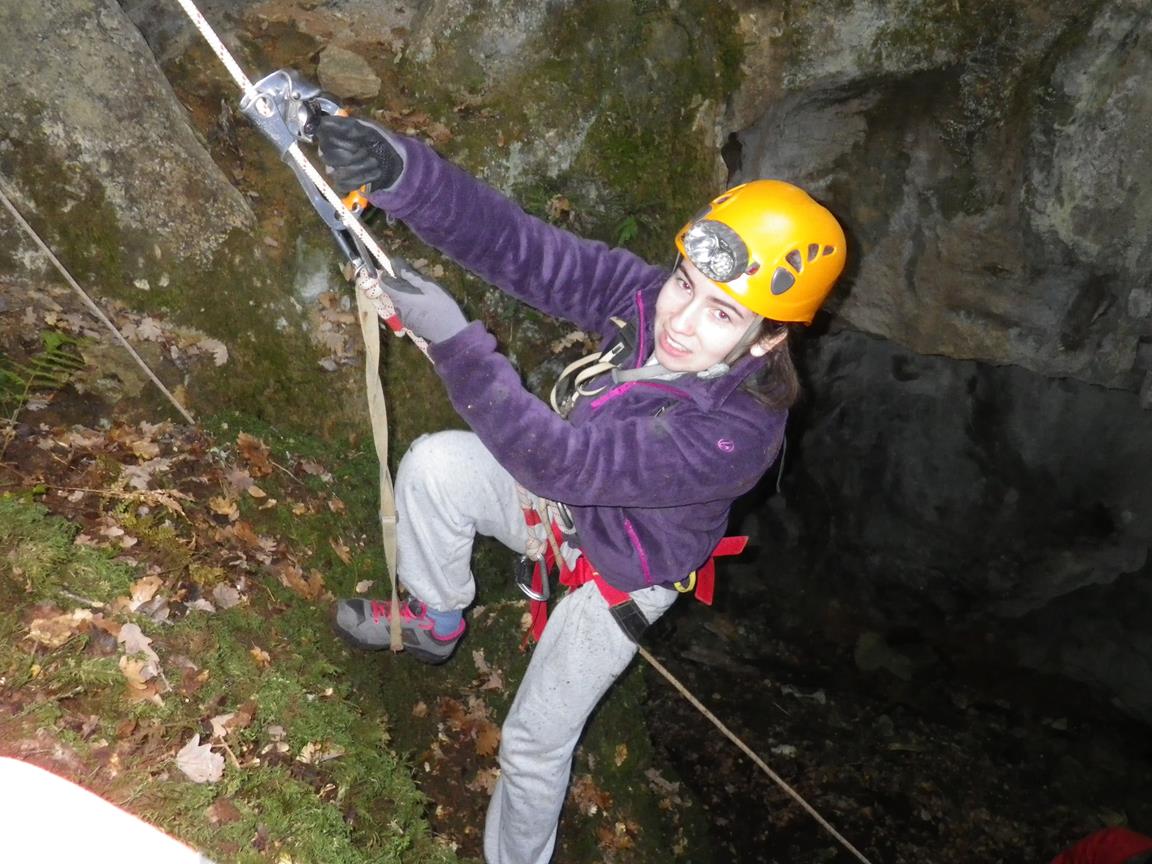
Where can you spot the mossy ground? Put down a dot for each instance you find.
(74, 698)
(411, 781)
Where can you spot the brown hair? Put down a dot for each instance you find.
(777, 384)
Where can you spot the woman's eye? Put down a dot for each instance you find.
(685, 285)
(723, 316)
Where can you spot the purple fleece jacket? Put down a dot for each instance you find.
(648, 469)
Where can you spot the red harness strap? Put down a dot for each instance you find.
(704, 581)
(706, 575)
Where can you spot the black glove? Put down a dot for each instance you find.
(359, 153)
(423, 306)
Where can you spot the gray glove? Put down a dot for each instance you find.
(359, 153)
(423, 306)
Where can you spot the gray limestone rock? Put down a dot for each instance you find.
(86, 105)
(346, 74)
(992, 168)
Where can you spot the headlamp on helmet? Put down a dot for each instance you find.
(716, 250)
(770, 247)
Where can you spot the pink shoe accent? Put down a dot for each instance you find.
(383, 609)
(455, 634)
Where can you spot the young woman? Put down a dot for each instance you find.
(686, 416)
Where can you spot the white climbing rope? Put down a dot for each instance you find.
(368, 293)
(88, 301)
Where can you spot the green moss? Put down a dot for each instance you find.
(356, 808)
(41, 558)
(623, 104)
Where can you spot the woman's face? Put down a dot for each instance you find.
(697, 324)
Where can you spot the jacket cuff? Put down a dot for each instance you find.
(405, 194)
(467, 345)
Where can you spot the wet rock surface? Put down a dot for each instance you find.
(944, 496)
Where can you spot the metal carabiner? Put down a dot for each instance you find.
(522, 576)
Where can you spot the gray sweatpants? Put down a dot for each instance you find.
(448, 489)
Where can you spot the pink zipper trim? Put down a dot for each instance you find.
(613, 393)
(643, 329)
(639, 551)
(624, 388)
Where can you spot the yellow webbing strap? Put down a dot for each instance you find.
(378, 414)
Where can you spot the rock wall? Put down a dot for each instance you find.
(93, 125)
(977, 444)
(102, 158)
(989, 160)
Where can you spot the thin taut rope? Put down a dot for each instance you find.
(89, 302)
(751, 754)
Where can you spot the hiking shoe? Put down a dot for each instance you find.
(366, 624)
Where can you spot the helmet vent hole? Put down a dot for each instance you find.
(828, 250)
(782, 280)
(813, 251)
(795, 260)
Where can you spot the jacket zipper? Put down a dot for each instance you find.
(638, 546)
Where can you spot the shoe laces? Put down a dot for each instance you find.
(413, 610)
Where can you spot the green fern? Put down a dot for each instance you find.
(50, 369)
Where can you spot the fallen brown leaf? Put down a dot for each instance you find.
(137, 672)
(255, 453)
(341, 550)
(54, 631)
(144, 590)
(224, 507)
(621, 754)
(310, 587)
(589, 798)
(222, 812)
(488, 739)
(199, 763)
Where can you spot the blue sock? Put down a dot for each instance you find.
(445, 623)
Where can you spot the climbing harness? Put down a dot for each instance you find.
(574, 569)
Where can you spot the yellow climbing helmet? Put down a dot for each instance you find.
(769, 246)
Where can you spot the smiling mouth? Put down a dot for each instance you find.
(671, 346)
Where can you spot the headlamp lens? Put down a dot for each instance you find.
(716, 250)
